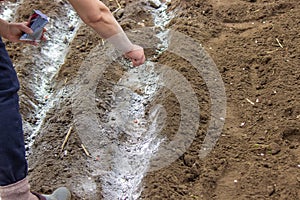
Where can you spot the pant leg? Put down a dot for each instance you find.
(13, 164)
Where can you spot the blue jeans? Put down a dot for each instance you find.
(13, 164)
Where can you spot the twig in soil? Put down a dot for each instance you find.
(66, 138)
(269, 52)
(85, 150)
(279, 43)
(251, 102)
(119, 5)
(113, 12)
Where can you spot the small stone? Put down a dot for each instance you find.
(123, 3)
(182, 187)
(155, 3)
(141, 24)
(275, 148)
(267, 165)
(271, 190)
(188, 160)
(269, 103)
(71, 28)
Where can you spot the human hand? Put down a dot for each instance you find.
(15, 30)
(136, 55)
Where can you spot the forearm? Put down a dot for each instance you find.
(95, 14)
(3, 27)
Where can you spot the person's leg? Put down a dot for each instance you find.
(13, 165)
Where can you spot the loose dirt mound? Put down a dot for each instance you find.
(255, 45)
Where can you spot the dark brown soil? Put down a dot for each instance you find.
(255, 45)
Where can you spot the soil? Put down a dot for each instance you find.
(255, 45)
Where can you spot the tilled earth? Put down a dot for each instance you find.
(255, 45)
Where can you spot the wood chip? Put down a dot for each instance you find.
(66, 138)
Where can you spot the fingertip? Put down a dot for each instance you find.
(29, 30)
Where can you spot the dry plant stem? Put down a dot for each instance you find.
(85, 150)
(119, 5)
(279, 43)
(251, 102)
(66, 138)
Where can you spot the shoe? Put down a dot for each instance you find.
(61, 193)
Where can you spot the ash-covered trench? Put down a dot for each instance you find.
(122, 147)
(46, 59)
(124, 162)
(130, 160)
